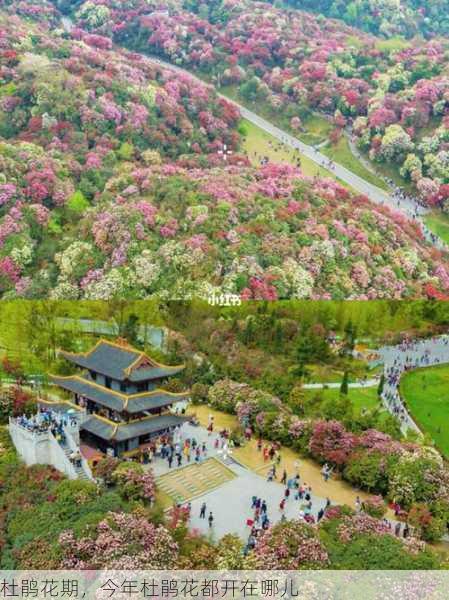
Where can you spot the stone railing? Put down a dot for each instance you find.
(41, 447)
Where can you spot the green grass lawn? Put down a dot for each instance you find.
(438, 223)
(391, 171)
(426, 392)
(316, 130)
(392, 45)
(263, 144)
(362, 398)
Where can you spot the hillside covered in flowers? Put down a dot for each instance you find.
(394, 94)
(112, 182)
(385, 17)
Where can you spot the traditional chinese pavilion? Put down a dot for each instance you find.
(122, 390)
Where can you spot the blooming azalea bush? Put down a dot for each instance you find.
(291, 545)
(359, 541)
(342, 540)
(120, 541)
(241, 399)
(134, 482)
(361, 524)
(331, 442)
(15, 401)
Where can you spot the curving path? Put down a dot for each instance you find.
(409, 208)
(404, 356)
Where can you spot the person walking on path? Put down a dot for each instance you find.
(284, 477)
(211, 519)
(326, 472)
(203, 511)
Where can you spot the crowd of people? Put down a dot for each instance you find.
(410, 354)
(48, 420)
(178, 450)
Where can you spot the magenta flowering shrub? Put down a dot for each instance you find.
(361, 524)
(134, 482)
(121, 541)
(376, 441)
(374, 506)
(241, 399)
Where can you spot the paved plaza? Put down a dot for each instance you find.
(230, 504)
(227, 488)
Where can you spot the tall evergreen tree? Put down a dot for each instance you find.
(344, 388)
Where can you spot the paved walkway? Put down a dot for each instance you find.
(357, 385)
(160, 466)
(397, 359)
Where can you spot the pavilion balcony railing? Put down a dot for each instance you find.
(56, 453)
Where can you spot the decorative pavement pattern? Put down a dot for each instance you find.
(193, 480)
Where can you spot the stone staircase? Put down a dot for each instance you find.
(78, 469)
